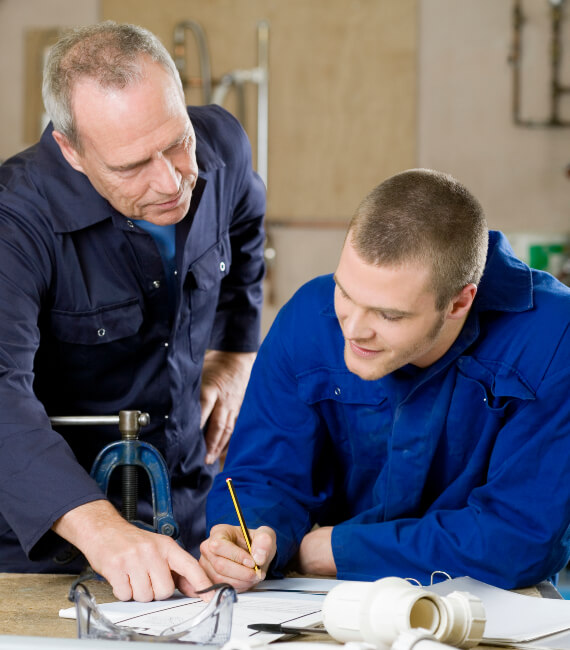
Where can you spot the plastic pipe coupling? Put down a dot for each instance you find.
(378, 612)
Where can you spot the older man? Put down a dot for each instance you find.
(130, 278)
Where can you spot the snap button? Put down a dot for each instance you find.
(222, 266)
(337, 391)
(130, 224)
(165, 344)
(156, 284)
(101, 332)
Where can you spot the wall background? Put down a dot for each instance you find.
(360, 89)
(464, 114)
(17, 19)
(342, 89)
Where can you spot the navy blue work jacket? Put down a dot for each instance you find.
(85, 328)
(463, 466)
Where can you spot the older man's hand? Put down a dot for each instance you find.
(224, 380)
(138, 564)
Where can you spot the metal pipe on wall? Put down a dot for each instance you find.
(515, 59)
(263, 100)
(259, 76)
(216, 93)
(180, 58)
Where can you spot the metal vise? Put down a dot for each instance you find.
(130, 452)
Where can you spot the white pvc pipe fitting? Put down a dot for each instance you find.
(378, 612)
(418, 640)
(463, 624)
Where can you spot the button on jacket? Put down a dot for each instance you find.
(85, 328)
(462, 466)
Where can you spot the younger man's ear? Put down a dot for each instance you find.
(68, 151)
(462, 302)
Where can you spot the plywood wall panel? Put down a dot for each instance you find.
(342, 94)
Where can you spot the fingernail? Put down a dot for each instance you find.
(210, 458)
(249, 563)
(259, 558)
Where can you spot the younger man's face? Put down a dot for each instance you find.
(387, 315)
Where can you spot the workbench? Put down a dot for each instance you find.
(30, 603)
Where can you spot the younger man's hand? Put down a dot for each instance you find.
(225, 557)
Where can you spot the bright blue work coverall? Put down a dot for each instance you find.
(463, 466)
(86, 328)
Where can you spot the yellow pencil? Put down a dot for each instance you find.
(244, 529)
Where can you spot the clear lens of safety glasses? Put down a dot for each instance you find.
(212, 626)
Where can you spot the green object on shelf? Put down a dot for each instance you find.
(539, 255)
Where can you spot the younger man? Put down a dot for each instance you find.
(414, 406)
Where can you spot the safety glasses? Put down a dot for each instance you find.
(212, 626)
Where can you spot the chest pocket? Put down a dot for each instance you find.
(357, 413)
(496, 385)
(205, 276)
(100, 326)
(90, 355)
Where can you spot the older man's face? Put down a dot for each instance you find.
(138, 147)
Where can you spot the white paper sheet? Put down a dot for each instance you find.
(510, 616)
(299, 609)
(301, 585)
